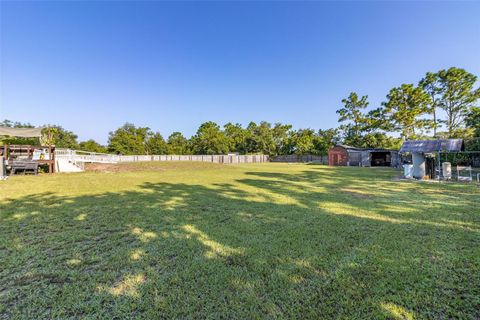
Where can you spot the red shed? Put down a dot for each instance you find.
(338, 156)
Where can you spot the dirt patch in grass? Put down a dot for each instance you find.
(102, 167)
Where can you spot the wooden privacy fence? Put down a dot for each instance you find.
(323, 159)
(77, 156)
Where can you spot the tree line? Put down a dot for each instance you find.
(210, 138)
(441, 105)
(412, 111)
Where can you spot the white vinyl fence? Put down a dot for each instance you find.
(84, 156)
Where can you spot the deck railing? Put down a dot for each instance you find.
(85, 156)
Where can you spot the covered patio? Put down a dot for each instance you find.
(25, 158)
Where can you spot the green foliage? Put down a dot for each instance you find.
(156, 144)
(92, 146)
(473, 120)
(62, 138)
(412, 110)
(379, 140)
(128, 140)
(210, 139)
(15, 124)
(302, 141)
(260, 139)
(307, 141)
(325, 140)
(281, 133)
(178, 144)
(364, 129)
(453, 91)
(377, 120)
(404, 106)
(472, 144)
(352, 112)
(237, 137)
(431, 86)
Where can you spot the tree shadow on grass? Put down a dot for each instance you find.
(398, 202)
(190, 251)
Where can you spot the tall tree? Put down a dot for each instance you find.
(236, 136)
(456, 95)
(325, 140)
(129, 140)
(376, 120)
(210, 139)
(63, 138)
(352, 113)
(303, 141)
(260, 138)
(15, 124)
(280, 134)
(453, 91)
(404, 106)
(178, 144)
(430, 84)
(155, 144)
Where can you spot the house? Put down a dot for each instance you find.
(343, 155)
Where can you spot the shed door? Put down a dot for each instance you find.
(335, 159)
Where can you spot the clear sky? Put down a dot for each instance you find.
(92, 66)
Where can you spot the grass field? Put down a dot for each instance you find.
(193, 240)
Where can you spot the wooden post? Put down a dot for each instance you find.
(51, 155)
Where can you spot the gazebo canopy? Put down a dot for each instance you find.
(21, 132)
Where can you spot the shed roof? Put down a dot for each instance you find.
(348, 147)
(364, 149)
(425, 146)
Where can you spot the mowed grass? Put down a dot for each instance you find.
(190, 240)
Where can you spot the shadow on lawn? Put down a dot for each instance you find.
(307, 245)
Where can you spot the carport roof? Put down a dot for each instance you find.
(426, 146)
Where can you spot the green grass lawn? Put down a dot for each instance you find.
(183, 240)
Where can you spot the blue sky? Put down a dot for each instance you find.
(92, 66)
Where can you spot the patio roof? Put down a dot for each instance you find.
(21, 132)
(427, 146)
